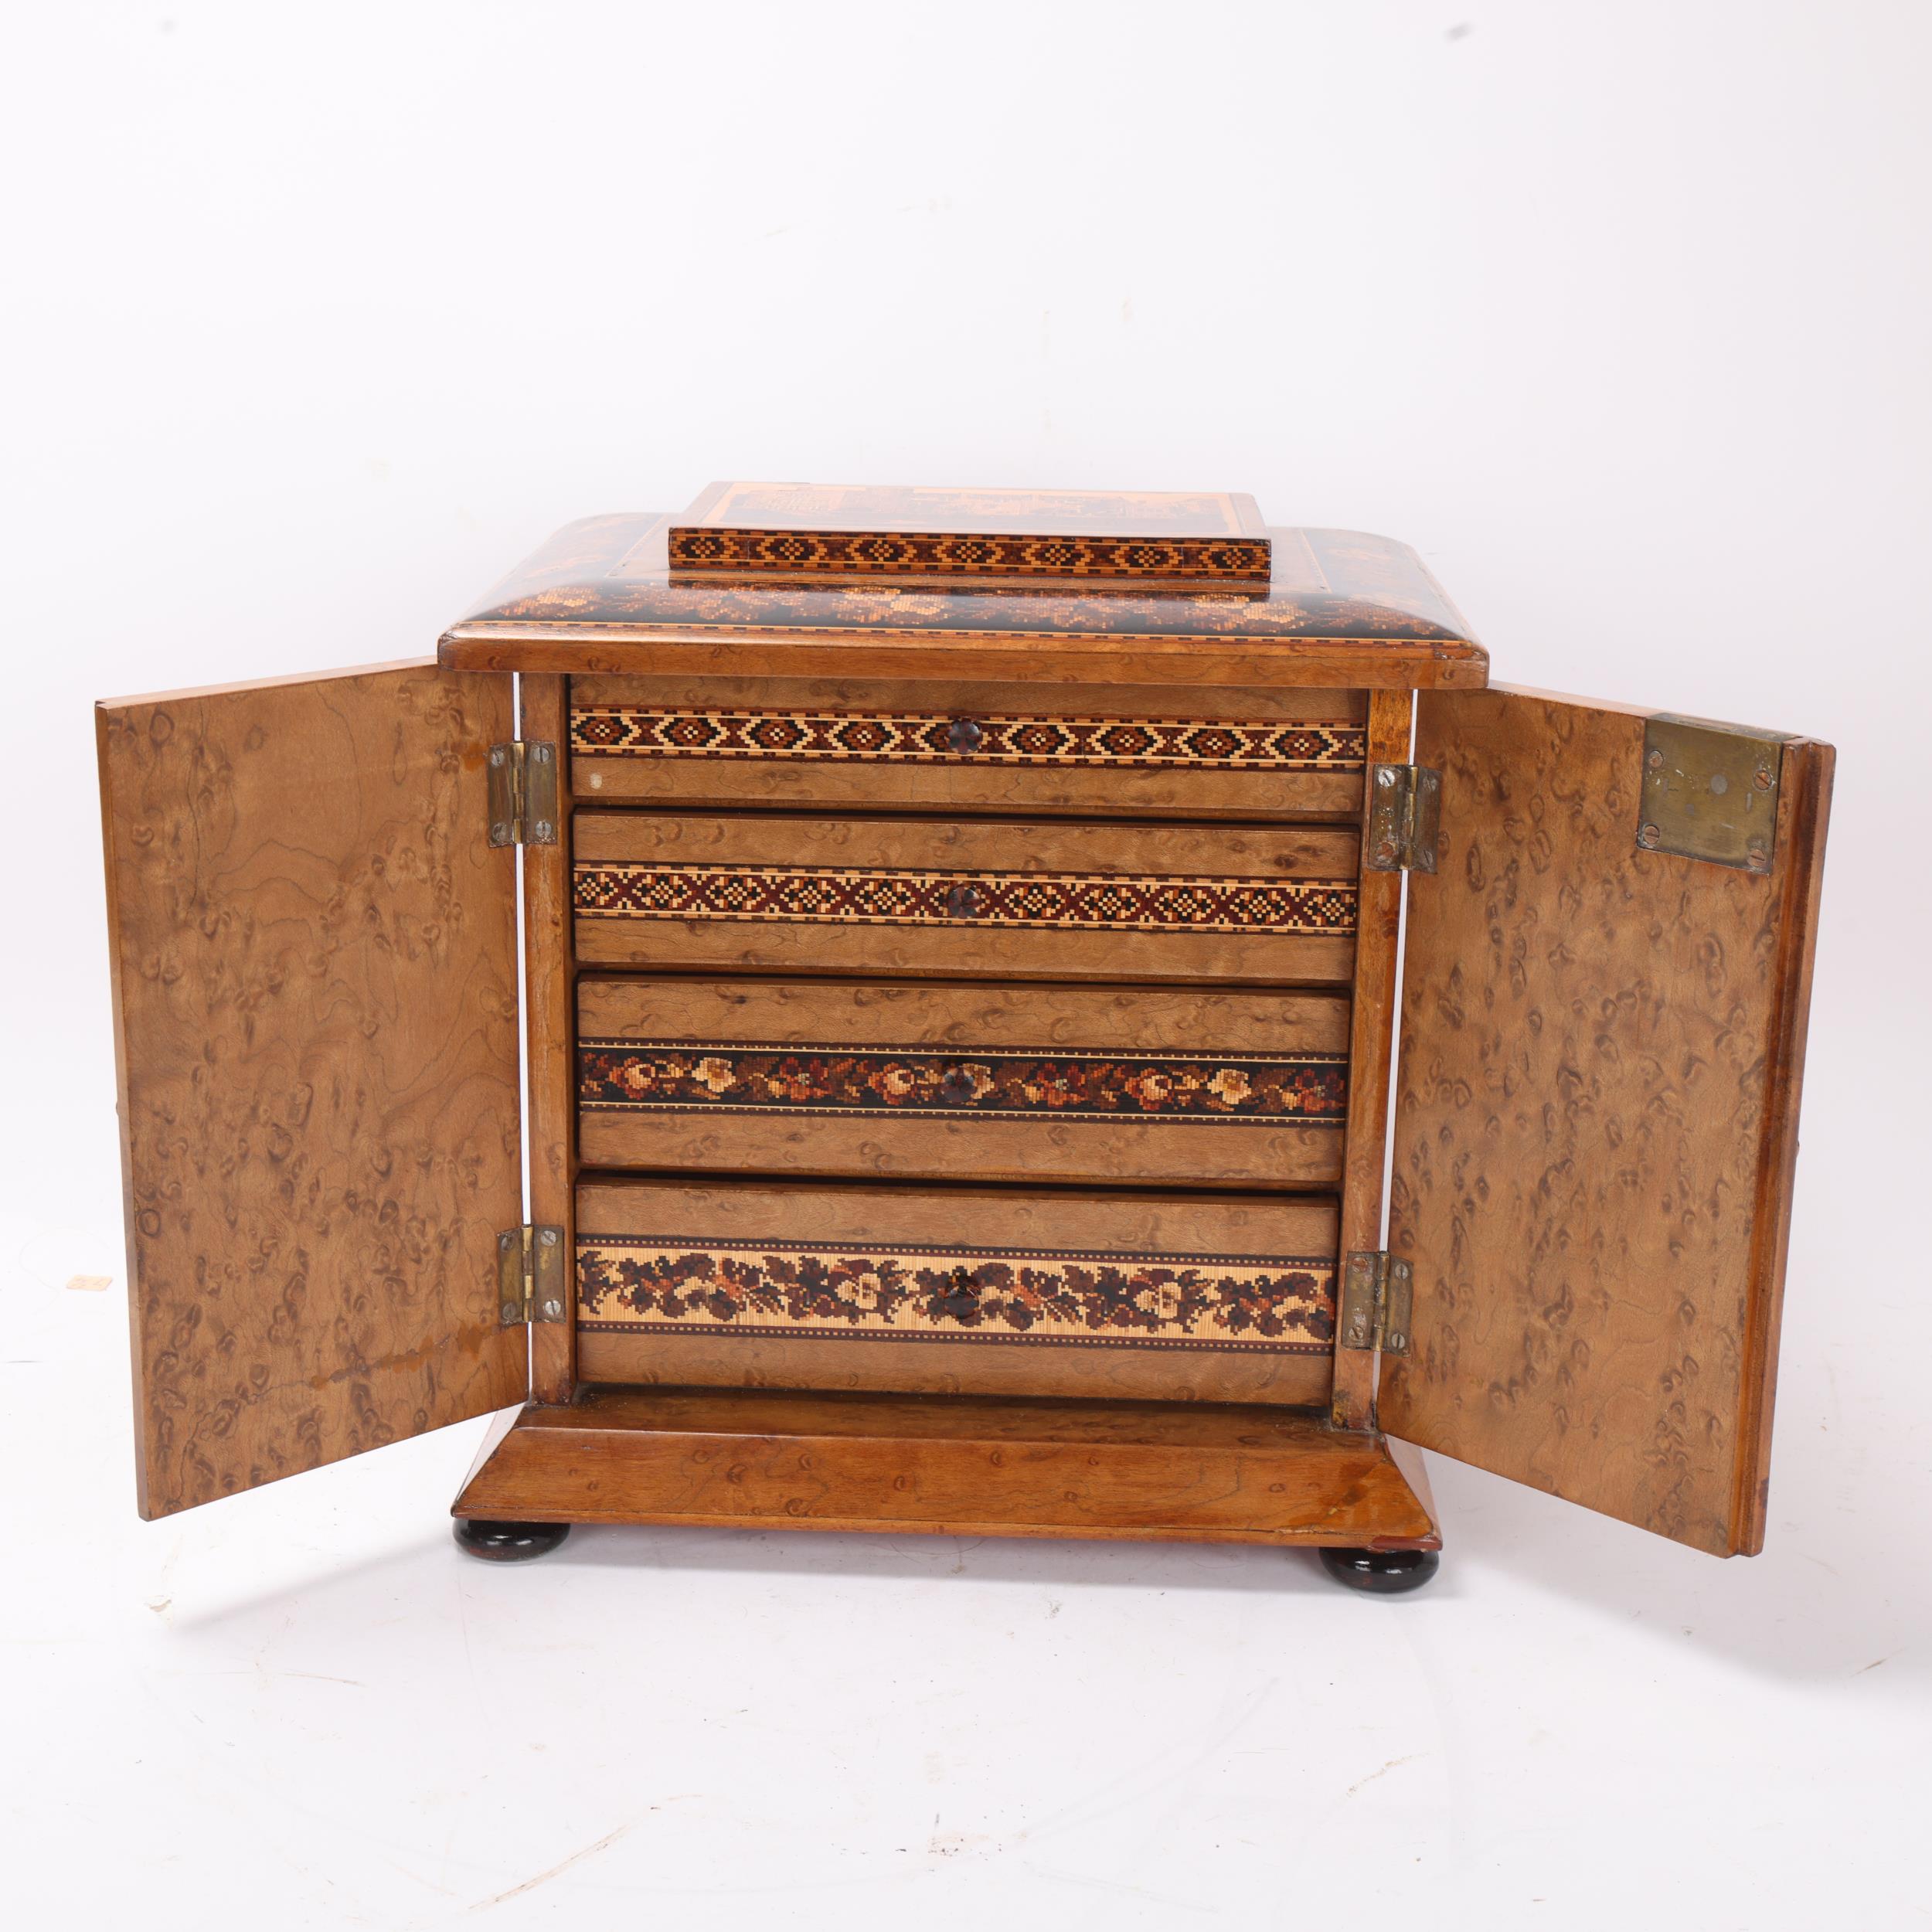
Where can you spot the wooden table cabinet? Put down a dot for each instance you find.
(923, 1055)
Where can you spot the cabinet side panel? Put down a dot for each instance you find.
(314, 965)
(1596, 1121)
(1371, 1050)
(549, 965)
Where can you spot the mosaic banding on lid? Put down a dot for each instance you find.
(833, 534)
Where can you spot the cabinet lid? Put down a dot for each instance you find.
(1341, 606)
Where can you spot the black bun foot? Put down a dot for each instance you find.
(1384, 1572)
(508, 1542)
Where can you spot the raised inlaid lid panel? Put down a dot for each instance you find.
(847, 533)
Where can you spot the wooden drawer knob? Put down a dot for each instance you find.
(964, 735)
(962, 902)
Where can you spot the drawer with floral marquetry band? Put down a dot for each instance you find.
(1144, 1086)
(1229, 1296)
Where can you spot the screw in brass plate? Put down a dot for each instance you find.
(1762, 777)
(1648, 836)
(1656, 761)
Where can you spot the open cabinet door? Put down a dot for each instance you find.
(1597, 1102)
(315, 973)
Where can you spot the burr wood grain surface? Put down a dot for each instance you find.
(315, 961)
(1596, 1123)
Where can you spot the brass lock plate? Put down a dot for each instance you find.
(1709, 791)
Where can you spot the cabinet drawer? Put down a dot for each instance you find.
(962, 1082)
(969, 1289)
(1115, 750)
(989, 898)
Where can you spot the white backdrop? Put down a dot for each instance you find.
(317, 318)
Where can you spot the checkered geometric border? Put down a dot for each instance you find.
(691, 1284)
(638, 731)
(1092, 902)
(725, 1077)
(879, 553)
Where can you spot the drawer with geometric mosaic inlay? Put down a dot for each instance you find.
(962, 1082)
(1118, 751)
(1230, 1297)
(1245, 904)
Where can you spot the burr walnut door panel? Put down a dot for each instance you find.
(314, 976)
(830, 743)
(1596, 1118)
(979, 898)
(963, 1082)
(830, 1285)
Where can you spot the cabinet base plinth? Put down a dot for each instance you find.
(725, 1458)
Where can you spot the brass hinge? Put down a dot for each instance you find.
(1378, 1298)
(1405, 808)
(523, 793)
(530, 1275)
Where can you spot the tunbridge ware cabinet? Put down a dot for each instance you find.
(959, 949)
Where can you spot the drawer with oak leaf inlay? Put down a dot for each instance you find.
(962, 1082)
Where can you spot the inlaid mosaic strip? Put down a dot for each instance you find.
(1097, 902)
(668, 1077)
(884, 553)
(908, 1292)
(636, 731)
